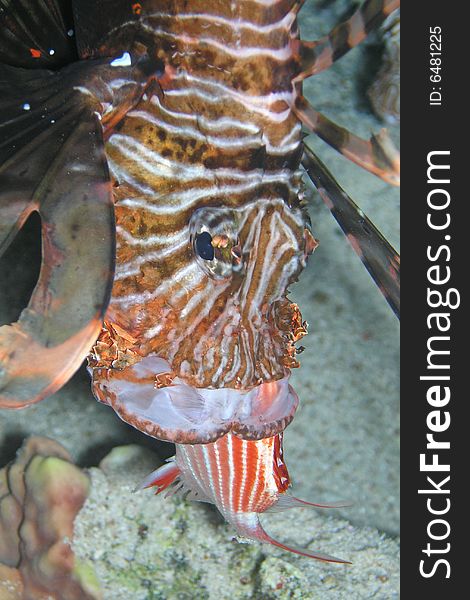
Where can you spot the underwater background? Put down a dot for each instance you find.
(342, 445)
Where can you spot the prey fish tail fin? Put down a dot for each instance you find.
(248, 525)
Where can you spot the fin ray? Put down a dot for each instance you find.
(55, 165)
(286, 501)
(377, 155)
(162, 478)
(320, 54)
(35, 34)
(377, 255)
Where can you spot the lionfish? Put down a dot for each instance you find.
(161, 142)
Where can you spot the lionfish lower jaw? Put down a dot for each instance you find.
(183, 414)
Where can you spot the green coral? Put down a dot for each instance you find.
(85, 574)
(41, 492)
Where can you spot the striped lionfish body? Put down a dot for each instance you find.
(210, 230)
(186, 117)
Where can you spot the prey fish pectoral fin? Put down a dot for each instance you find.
(169, 478)
(378, 256)
(162, 478)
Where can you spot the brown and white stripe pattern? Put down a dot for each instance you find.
(216, 148)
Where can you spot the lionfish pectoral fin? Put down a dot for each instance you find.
(55, 33)
(286, 501)
(99, 26)
(377, 155)
(248, 525)
(37, 34)
(162, 478)
(378, 256)
(52, 160)
(318, 55)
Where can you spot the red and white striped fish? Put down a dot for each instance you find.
(243, 478)
(193, 144)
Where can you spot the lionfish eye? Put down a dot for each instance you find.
(203, 245)
(218, 253)
(214, 233)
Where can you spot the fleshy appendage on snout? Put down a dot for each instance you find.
(243, 478)
(148, 398)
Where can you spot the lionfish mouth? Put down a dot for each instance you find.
(180, 413)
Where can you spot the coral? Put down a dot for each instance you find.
(41, 492)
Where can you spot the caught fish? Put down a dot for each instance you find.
(161, 145)
(205, 472)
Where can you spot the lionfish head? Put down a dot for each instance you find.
(219, 331)
(211, 230)
(237, 327)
